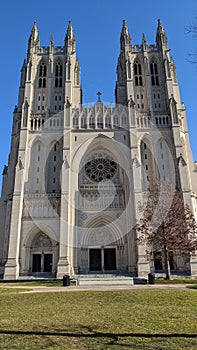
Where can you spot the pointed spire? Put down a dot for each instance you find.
(161, 38)
(34, 37)
(51, 40)
(34, 40)
(125, 39)
(35, 31)
(124, 27)
(70, 38)
(144, 43)
(51, 44)
(70, 32)
(143, 38)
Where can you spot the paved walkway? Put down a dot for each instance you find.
(41, 289)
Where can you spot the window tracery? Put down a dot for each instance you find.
(58, 75)
(100, 169)
(42, 72)
(154, 73)
(138, 73)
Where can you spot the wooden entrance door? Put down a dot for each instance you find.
(109, 259)
(95, 260)
(36, 265)
(47, 263)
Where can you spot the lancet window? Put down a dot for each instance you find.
(42, 72)
(58, 75)
(138, 73)
(154, 73)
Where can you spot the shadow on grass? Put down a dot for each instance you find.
(95, 334)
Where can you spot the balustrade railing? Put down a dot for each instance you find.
(39, 122)
(102, 199)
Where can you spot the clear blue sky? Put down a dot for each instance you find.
(97, 25)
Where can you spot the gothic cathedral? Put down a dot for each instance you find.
(76, 173)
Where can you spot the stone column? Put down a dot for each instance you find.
(63, 265)
(12, 267)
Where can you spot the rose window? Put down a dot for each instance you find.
(100, 169)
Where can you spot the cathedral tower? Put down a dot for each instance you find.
(76, 173)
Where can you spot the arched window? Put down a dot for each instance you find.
(44, 82)
(154, 73)
(138, 73)
(52, 168)
(58, 74)
(36, 157)
(42, 71)
(75, 122)
(148, 168)
(40, 83)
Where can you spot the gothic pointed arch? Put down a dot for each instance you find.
(36, 168)
(53, 167)
(101, 231)
(41, 241)
(35, 230)
(101, 177)
(93, 144)
(139, 85)
(42, 73)
(138, 72)
(154, 72)
(58, 69)
(41, 254)
(165, 161)
(148, 169)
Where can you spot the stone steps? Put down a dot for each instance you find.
(103, 279)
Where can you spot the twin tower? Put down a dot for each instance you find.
(76, 173)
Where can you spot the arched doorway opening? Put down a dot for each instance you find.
(41, 255)
(102, 259)
(102, 248)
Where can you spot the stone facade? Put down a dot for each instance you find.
(77, 173)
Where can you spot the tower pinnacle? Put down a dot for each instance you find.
(125, 39)
(70, 37)
(34, 40)
(161, 38)
(34, 33)
(144, 43)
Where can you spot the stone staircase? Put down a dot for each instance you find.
(102, 280)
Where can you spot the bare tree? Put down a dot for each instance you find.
(192, 29)
(167, 225)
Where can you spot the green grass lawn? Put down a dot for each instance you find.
(127, 319)
(58, 283)
(48, 283)
(175, 281)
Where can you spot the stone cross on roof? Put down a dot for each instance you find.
(99, 96)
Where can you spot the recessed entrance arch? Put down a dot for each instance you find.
(41, 255)
(102, 247)
(102, 259)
